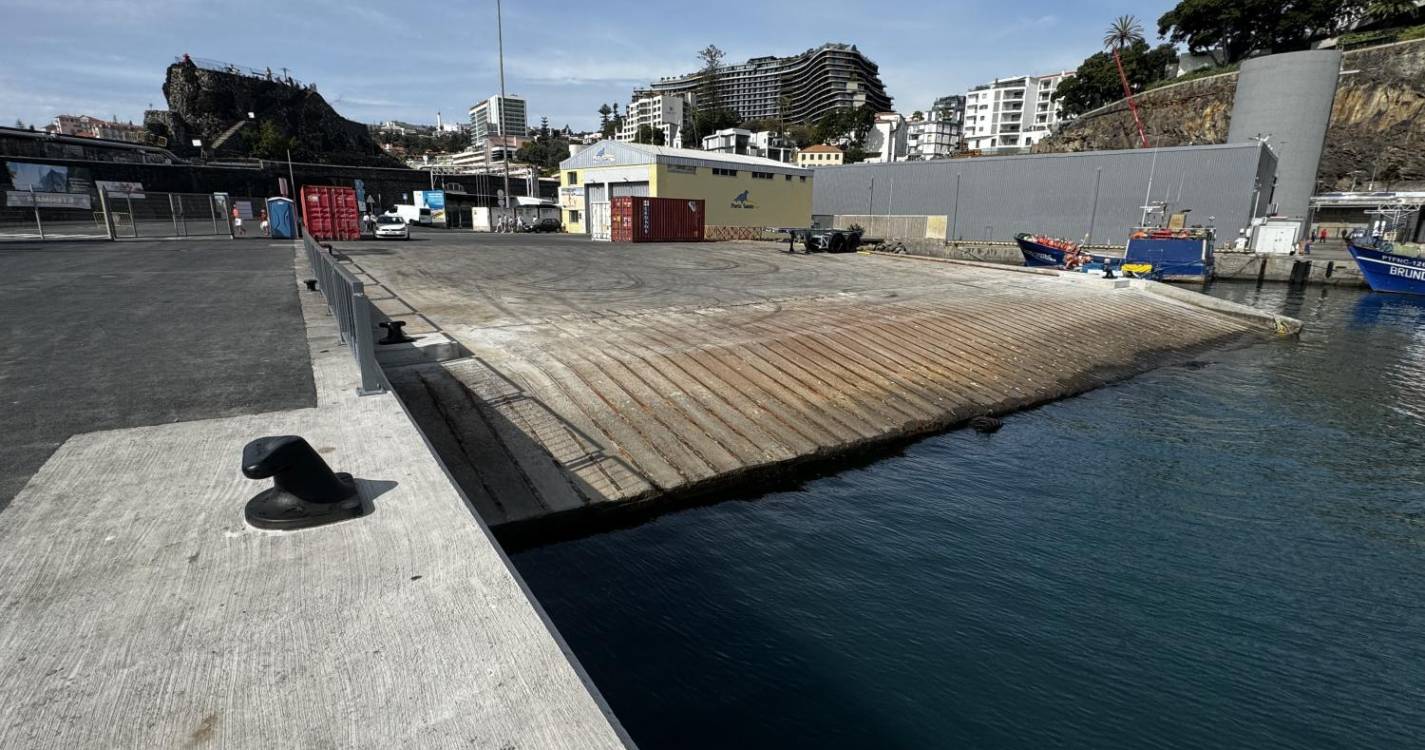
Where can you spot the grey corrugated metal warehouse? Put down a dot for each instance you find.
(1065, 195)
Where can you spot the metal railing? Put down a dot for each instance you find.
(346, 298)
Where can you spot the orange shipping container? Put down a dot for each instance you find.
(330, 213)
(642, 219)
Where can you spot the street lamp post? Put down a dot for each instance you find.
(504, 144)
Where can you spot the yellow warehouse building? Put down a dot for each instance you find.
(743, 193)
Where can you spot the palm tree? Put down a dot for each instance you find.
(1125, 32)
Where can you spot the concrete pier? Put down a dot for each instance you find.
(140, 610)
(580, 376)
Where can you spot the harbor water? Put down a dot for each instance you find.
(1229, 553)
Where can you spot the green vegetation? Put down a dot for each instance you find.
(1196, 74)
(1097, 82)
(1357, 39)
(1231, 30)
(270, 142)
(548, 148)
(416, 144)
(650, 135)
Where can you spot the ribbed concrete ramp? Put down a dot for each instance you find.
(574, 411)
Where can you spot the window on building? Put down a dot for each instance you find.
(789, 178)
(803, 178)
(573, 217)
(573, 177)
(724, 172)
(761, 175)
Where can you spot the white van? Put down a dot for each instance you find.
(412, 214)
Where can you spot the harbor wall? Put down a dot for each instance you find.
(1096, 195)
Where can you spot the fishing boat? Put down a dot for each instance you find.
(1396, 269)
(1041, 251)
(1170, 253)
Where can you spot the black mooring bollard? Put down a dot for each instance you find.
(305, 491)
(394, 334)
(311, 284)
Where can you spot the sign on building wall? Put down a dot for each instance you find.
(571, 198)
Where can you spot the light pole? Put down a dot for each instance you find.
(504, 144)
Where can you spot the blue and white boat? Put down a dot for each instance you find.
(1396, 269)
(1049, 252)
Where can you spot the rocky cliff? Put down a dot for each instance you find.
(1377, 121)
(213, 105)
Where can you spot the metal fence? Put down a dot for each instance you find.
(29, 215)
(346, 298)
(150, 214)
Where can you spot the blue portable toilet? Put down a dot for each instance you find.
(282, 218)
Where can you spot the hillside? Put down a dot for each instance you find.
(1377, 121)
(213, 105)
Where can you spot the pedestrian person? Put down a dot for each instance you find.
(1322, 234)
(266, 228)
(237, 223)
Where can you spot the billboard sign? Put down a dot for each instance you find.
(18, 199)
(433, 200)
(121, 188)
(38, 178)
(571, 198)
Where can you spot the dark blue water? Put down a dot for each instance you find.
(1231, 555)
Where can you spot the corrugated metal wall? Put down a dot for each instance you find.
(997, 197)
(1288, 97)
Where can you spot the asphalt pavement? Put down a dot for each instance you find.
(105, 335)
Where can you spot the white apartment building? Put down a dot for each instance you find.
(763, 143)
(663, 112)
(886, 140)
(1012, 114)
(938, 134)
(507, 115)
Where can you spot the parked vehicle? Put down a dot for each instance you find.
(392, 226)
(546, 224)
(412, 214)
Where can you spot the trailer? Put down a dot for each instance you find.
(814, 239)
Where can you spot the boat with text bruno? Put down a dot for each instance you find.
(1396, 269)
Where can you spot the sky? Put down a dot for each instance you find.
(376, 61)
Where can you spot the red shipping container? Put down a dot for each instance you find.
(642, 219)
(330, 213)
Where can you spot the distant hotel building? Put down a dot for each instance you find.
(498, 115)
(812, 84)
(662, 112)
(1012, 114)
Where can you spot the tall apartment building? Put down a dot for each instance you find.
(507, 116)
(1012, 114)
(663, 112)
(938, 134)
(800, 89)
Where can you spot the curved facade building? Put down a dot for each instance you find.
(812, 84)
(1287, 98)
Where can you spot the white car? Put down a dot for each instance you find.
(391, 226)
